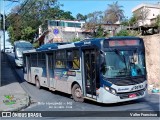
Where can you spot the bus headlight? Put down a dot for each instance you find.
(111, 90)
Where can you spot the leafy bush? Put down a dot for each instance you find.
(75, 39)
(128, 33)
(36, 45)
(123, 33)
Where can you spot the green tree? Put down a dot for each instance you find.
(100, 32)
(66, 15)
(125, 21)
(133, 20)
(28, 33)
(79, 16)
(24, 20)
(11, 35)
(114, 13)
(93, 19)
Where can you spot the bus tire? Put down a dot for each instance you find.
(37, 83)
(77, 93)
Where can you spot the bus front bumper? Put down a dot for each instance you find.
(111, 98)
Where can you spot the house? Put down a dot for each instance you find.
(60, 31)
(146, 14)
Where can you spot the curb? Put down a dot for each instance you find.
(27, 99)
(23, 103)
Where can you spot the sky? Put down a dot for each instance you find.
(88, 6)
(82, 6)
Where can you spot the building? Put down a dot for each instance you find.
(112, 28)
(146, 14)
(60, 31)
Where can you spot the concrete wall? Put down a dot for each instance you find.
(152, 45)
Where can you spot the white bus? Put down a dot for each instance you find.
(103, 70)
(19, 47)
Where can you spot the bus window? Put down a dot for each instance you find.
(60, 59)
(73, 61)
(41, 59)
(60, 64)
(76, 63)
(34, 60)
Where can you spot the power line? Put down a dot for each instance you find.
(23, 5)
(20, 9)
(9, 6)
(27, 10)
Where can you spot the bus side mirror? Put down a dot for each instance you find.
(102, 63)
(102, 57)
(14, 49)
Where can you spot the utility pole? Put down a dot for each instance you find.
(4, 24)
(4, 37)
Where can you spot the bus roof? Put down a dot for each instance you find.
(21, 41)
(22, 44)
(52, 46)
(85, 42)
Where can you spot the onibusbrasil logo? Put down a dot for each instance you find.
(9, 100)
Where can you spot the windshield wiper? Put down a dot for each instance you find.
(122, 57)
(118, 53)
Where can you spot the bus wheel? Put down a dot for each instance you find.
(37, 83)
(77, 93)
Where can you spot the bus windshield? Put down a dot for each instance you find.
(123, 63)
(20, 50)
(22, 46)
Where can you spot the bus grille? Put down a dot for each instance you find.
(127, 81)
(125, 95)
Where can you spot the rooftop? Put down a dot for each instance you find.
(146, 5)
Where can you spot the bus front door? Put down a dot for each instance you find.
(50, 71)
(90, 73)
(28, 66)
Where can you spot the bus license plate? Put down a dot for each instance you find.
(132, 95)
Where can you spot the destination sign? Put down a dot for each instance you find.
(115, 43)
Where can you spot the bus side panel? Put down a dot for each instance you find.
(41, 73)
(64, 79)
(61, 80)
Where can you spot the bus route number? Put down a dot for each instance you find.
(137, 87)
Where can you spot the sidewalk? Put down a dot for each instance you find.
(12, 96)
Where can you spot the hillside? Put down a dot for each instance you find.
(152, 46)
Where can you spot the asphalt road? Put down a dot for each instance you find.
(45, 100)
